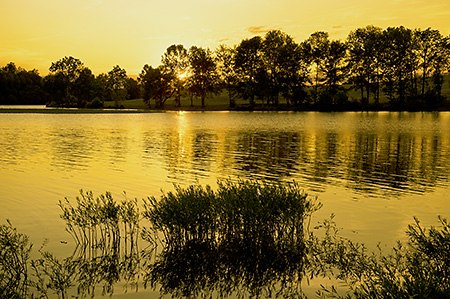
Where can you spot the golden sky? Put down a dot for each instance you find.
(131, 33)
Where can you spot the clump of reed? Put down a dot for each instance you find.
(245, 235)
(14, 258)
(106, 233)
(419, 268)
(247, 238)
(236, 209)
(101, 222)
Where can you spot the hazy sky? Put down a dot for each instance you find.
(131, 33)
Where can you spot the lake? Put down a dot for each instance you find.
(374, 170)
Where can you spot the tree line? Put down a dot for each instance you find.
(393, 68)
(69, 84)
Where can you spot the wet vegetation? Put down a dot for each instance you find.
(418, 269)
(396, 68)
(245, 238)
(101, 222)
(14, 262)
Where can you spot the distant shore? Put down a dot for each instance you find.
(109, 110)
(141, 111)
(133, 108)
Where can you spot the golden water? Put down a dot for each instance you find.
(375, 171)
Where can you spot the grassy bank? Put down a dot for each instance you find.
(217, 102)
(73, 111)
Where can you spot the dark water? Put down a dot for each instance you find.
(375, 171)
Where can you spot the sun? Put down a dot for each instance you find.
(182, 76)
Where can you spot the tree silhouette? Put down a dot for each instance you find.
(203, 75)
(175, 62)
(432, 51)
(408, 66)
(316, 47)
(440, 64)
(398, 63)
(116, 83)
(68, 66)
(156, 85)
(66, 71)
(84, 87)
(334, 66)
(226, 71)
(286, 67)
(248, 63)
(364, 60)
(18, 86)
(280, 59)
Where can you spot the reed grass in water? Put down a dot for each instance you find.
(234, 210)
(14, 261)
(418, 269)
(106, 234)
(246, 238)
(101, 222)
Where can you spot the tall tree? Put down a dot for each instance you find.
(226, 71)
(364, 60)
(335, 66)
(285, 66)
(272, 45)
(203, 75)
(248, 63)
(398, 63)
(440, 64)
(175, 62)
(116, 83)
(316, 47)
(427, 43)
(84, 87)
(156, 85)
(279, 53)
(66, 70)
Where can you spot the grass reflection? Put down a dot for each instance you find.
(100, 222)
(14, 259)
(246, 238)
(106, 235)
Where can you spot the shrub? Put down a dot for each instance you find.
(96, 103)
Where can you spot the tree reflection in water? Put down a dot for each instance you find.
(245, 239)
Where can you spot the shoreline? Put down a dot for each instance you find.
(183, 109)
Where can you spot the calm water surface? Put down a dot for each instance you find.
(375, 171)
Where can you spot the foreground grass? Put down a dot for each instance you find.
(418, 269)
(246, 238)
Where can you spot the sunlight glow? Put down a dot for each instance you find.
(150, 29)
(182, 76)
